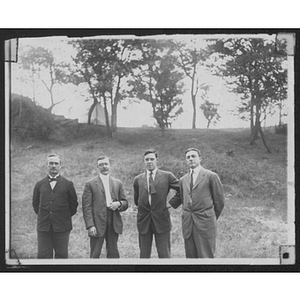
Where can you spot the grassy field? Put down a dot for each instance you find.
(253, 223)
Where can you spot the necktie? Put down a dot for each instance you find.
(52, 182)
(192, 181)
(151, 185)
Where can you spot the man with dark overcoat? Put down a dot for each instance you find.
(55, 202)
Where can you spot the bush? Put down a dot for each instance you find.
(281, 129)
(29, 120)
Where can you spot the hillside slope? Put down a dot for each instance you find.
(253, 223)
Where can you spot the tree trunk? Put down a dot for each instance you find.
(251, 118)
(51, 99)
(54, 104)
(252, 115)
(208, 123)
(254, 133)
(265, 117)
(255, 128)
(51, 91)
(114, 119)
(114, 106)
(194, 111)
(257, 120)
(108, 129)
(280, 114)
(33, 86)
(263, 139)
(91, 111)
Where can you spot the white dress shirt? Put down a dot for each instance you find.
(53, 183)
(196, 173)
(105, 180)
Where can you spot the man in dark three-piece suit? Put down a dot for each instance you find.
(55, 202)
(201, 194)
(151, 189)
(103, 199)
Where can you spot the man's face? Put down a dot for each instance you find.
(192, 158)
(103, 166)
(150, 161)
(53, 165)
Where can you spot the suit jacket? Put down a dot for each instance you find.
(206, 206)
(94, 204)
(158, 211)
(54, 207)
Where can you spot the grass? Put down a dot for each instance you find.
(252, 225)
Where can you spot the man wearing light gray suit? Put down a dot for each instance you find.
(201, 194)
(103, 199)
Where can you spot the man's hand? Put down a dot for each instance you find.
(92, 231)
(114, 205)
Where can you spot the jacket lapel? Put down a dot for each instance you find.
(100, 184)
(155, 181)
(199, 178)
(58, 183)
(144, 180)
(111, 188)
(186, 181)
(157, 178)
(47, 183)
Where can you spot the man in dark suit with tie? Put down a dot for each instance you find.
(201, 194)
(103, 199)
(55, 202)
(151, 189)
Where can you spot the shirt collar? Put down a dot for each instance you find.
(104, 177)
(153, 172)
(196, 170)
(56, 176)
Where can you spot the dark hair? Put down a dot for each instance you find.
(193, 149)
(151, 151)
(102, 157)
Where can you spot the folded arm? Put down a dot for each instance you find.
(36, 198)
(73, 203)
(217, 194)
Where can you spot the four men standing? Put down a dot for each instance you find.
(200, 192)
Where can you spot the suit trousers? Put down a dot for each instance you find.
(49, 241)
(110, 237)
(198, 247)
(162, 241)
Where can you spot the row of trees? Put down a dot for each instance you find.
(253, 70)
(154, 70)
(120, 69)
